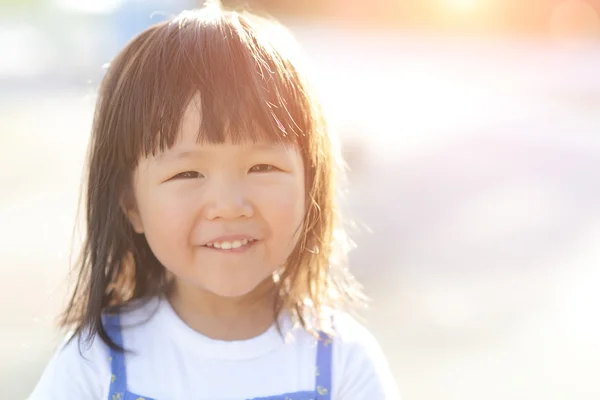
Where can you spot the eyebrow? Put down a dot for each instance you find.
(198, 153)
(181, 155)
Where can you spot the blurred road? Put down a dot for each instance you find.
(476, 194)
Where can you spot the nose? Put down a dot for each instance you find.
(227, 200)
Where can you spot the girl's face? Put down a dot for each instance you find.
(219, 217)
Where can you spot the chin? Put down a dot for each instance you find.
(231, 293)
(232, 290)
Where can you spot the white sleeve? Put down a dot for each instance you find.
(76, 372)
(360, 369)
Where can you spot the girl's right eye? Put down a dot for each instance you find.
(188, 175)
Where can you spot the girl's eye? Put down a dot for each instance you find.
(188, 175)
(260, 168)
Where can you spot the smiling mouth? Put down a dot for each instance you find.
(231, 245)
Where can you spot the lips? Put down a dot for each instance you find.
(231, 242)
(227, 245)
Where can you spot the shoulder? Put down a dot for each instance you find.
(349, 330)
(138, 312)
(360, 368)
(352, 338)
(78, 367)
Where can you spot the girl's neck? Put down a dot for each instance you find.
(224, 318)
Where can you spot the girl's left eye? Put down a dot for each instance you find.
(261, 168)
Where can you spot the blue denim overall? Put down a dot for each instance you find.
(118, 383)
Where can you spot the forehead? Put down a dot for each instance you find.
(224, 151)
(192, 140)
(197, 128)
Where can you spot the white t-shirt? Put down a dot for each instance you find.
(170, 361)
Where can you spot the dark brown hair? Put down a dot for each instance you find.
(251, 86)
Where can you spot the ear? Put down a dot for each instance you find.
(130, 209)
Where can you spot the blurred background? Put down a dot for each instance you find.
(472, 129)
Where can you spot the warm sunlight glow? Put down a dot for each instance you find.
(575, 19)
(462, 5)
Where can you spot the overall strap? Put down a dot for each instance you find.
(118, 379)
(324, 358)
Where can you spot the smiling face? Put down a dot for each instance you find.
(219, 217)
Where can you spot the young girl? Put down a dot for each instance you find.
(212, 267)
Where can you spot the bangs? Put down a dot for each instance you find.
(249, 90)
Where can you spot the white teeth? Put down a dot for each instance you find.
(229, 245)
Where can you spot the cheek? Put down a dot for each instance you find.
(168, 220)
(283, 211)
